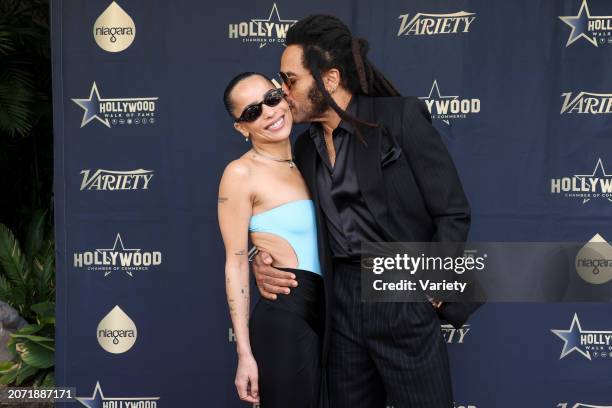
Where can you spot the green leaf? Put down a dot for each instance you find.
(35, 354)
(49, 381)
(10, 375)
(30, 329)
(35, 235)
(24, 373)
(34, 338)
(11, 258)
(44, 309)
(6, 365)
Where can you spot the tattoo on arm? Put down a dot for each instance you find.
(221, 200)
(241, 252)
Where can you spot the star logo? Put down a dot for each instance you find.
(92, 105)
(276, 20)
(581, 25)
(97, 399)
(603, 173)
(576, 339)
(437, 96)
(105, 251)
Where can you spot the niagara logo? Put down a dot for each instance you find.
(116, 332)
(589, 343)
(586, 102)
(597, 30)
(263, 31)
(594, 261)
(594, 186)
(434, 24)
(98, 400)
(449, 107)
(114, 30)
(122, 111)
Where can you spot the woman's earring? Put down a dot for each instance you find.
(246, 138)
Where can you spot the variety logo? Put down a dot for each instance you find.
(590, 343)
(433, 24)
(454, 336)
(594, 261)
(98, 400)
(586, 102)
(114, 30)
(594, 186)
(117, 258)
(110, 180)
(594, 29)
(263, 31)
(449, 107)
(116, 332)
(122, 111)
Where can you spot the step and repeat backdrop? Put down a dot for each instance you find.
(521, 92)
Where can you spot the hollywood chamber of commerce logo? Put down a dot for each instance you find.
(594, 261)
(594, 186)
(594, 29)
(263, 31)
(435, 24)
(112, 180)
(586, 102)
(113, 111)
(116, 332)
(591, 344)
(114, 30)
(447, 107)
(117, 258)
(98, 400)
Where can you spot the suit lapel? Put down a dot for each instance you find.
(367, 162)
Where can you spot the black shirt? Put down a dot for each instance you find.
(349, 221)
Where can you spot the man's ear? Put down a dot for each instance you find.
(241, 129)
(331, 79)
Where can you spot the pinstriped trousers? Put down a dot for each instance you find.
(384, 353)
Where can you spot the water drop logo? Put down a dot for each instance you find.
(116, 332)
(114, 30)
(594, 261)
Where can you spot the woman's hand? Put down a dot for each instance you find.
(247, 379)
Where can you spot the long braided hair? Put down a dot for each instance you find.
(328, 43)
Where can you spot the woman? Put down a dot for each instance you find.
(263, 194)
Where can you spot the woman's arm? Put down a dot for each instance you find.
(234, 210)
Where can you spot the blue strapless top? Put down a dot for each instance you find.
(295, 222)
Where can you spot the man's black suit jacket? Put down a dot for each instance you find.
(407, 179)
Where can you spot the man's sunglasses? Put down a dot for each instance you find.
(289, 80)
(272, 98)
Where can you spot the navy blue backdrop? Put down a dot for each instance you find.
(519, 90)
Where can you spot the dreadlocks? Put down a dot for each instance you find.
(328, 43)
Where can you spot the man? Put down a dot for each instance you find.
(379, 172)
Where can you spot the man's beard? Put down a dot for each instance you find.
(318, 104)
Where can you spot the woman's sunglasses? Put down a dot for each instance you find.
(272, 98)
